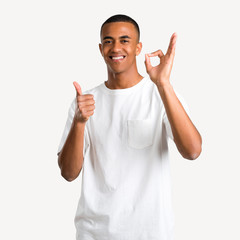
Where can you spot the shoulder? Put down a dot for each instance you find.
(152, 88)
(94, 90)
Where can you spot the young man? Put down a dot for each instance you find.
(117, 134)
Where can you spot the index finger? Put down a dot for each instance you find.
(158, 53)
(172, 44)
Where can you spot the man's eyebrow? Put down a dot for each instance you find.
(109, 37)
(125, 36)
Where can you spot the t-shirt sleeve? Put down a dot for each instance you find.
(165, 118)
(71, 113)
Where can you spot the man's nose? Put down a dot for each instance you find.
(116, 46)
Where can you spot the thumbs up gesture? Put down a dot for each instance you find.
(160, 74)
(85, 104)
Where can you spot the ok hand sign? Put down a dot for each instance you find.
(160, 74)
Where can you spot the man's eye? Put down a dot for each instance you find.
(124, 41)
(107, 42)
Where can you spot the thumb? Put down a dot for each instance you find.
(148, 63)
(78, 88)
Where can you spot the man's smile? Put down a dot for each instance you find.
(117, 58)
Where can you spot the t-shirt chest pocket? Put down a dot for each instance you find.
(139, 133)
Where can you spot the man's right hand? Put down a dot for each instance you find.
(85, 105)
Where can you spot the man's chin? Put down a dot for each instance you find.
(115, 70)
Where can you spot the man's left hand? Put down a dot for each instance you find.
(160, 74)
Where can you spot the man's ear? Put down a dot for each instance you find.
(100, 48)
(139, 48)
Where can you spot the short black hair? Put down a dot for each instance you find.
(122, 18)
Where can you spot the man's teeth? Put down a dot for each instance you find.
(117, 58)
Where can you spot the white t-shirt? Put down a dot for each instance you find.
(126, 187)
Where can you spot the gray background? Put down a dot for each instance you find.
(46, 45)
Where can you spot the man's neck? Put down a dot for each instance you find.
(122, 80)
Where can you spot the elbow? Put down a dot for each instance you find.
(194, 153)
(193, 156)
(68, 176)
(69, 179)
(191, 151)
(67, 172)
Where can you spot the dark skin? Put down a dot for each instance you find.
(186, 136)
(119, 47)
(123, 73)
(120, 39)
(70, 159)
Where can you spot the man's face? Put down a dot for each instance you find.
(119, 46)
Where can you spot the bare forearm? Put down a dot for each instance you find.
(186, 136)
(71, 157)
